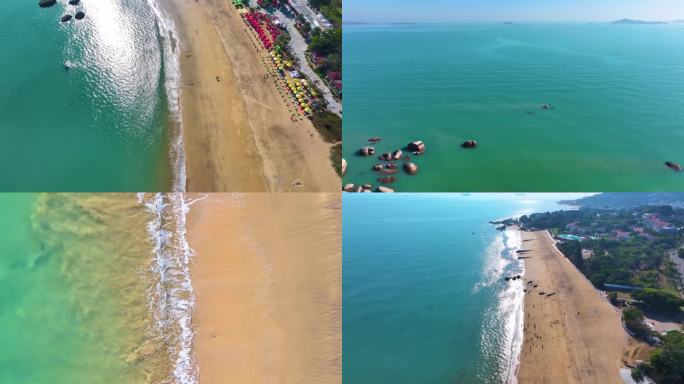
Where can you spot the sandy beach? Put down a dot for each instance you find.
(267, 273)
(573, 336)
(237, 130)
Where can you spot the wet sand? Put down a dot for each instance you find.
(237, 130)
(574, 336)
(267, 277)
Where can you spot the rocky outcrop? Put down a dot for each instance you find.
(410, 168)
(65, 18)
(47, 3)
(385, 189)
(416, 146)
(396, 155)
(469, 144)
(80, 15)
(366, 151)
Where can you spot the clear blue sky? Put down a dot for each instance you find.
(510, 10)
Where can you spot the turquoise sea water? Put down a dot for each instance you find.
(101, 126)
(424, 299)
(617, 92)
(84, 298)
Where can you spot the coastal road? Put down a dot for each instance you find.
(314, 17)
(299, 46)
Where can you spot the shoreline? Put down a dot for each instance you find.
(573, 335)
(175, 154)
(235, 130)
(171, 295)
(268, 288)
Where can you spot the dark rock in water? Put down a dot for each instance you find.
(74, 2)
(469, 144)
(416, 147)
(378, 167)
(507, 278)
(374, 139)
(410, 168)
(80, 15)
(396, 155)
(65, 18)
(349, 188)
(366, 151)
(47, 3)
(673, 166)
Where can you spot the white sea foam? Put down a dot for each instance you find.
(514, 323)
(507, 318)
(172, 297)
(172, 85)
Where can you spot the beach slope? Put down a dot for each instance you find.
(574, 335)
(267, 274)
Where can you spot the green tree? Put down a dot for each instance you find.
(667, 362)
(657, 299)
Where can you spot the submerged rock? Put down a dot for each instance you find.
(387, 179)
(469, 144)
(410, 168)
(374, 139)
(65, 18)
(80, 15)
(47, 3)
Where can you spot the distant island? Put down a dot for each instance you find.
(632, 21)
(627, 200)
(367, 23)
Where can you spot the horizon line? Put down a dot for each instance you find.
(510, 21)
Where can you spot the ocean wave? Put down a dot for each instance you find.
(171, 297)
(171, 62)
(504, 329)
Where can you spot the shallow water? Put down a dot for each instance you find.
(83, 297)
